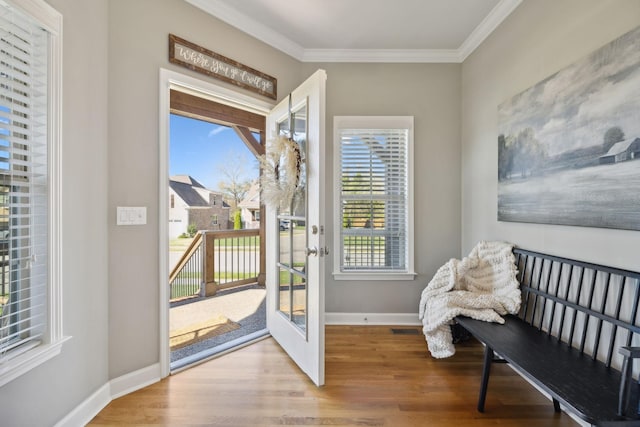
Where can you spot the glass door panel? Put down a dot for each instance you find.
(292, 242)
(299, 302)
(286, 282)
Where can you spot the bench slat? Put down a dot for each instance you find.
(590, 312)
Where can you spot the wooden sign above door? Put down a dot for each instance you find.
(204, 61)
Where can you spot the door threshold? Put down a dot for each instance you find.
(220, 350)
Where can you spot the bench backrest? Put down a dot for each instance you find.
(593, 308)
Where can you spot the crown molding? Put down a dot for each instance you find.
(249, 26)
(488, 25)
(276, 40)
(381, 55)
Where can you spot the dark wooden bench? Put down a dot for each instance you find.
(573, 337)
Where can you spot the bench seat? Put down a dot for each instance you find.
(583, 385)
(597, 308)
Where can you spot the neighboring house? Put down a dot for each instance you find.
(250, 207)
(621, 151)
(191, 203)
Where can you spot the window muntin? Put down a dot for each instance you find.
(374, 219)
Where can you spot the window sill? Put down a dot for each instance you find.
(373, 275)
(23, 363)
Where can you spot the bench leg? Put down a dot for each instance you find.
(556, 405)
(623, 394)
(486, 369)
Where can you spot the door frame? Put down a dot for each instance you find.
(204, 89)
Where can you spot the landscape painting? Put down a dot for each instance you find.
(569, 147)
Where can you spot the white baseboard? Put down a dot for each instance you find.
(372, 319)
(89, 408)
(115, 388)
(135, 380)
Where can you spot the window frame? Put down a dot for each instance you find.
(24, 361)
(372, 122)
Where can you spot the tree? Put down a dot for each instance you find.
(521, 154)
(529, 154)
(507, 152)
(237, 220)
(612, 136)
(235, 185)
(505, 157)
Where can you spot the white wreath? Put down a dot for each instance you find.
(280, 172)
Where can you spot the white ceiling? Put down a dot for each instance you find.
(366, 30)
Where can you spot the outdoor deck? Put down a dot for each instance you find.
(216, 299)
(199, 324)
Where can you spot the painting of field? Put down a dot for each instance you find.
(591, 197)
(569, 146)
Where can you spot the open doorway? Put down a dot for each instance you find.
(306, 350)
(216, 232)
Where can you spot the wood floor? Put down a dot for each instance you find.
(373, 378)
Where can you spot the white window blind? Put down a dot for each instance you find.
(374, 196)
(23, 182)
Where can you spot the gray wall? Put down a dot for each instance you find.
(540, 38)
(138, 48)
(46, 394)
(430, 93)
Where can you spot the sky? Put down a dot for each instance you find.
(203, 150)
(574, 107)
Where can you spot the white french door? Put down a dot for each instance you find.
(296, 236)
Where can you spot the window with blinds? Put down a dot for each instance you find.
(25, 295)
(374, 203)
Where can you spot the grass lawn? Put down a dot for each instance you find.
(179, 245)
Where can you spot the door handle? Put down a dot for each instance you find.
(312, 251)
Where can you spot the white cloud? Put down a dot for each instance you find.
(574, 107)
(554, 125)
(216, 131)
(611, 100)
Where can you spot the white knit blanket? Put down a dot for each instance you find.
(482, 286)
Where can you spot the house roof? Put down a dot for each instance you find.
(186, 179)
(252, 199)
(190, 190)
(620, 147)
(187, 193)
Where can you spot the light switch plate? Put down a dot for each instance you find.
(131, 215)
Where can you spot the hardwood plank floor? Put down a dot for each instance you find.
(373, 378)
